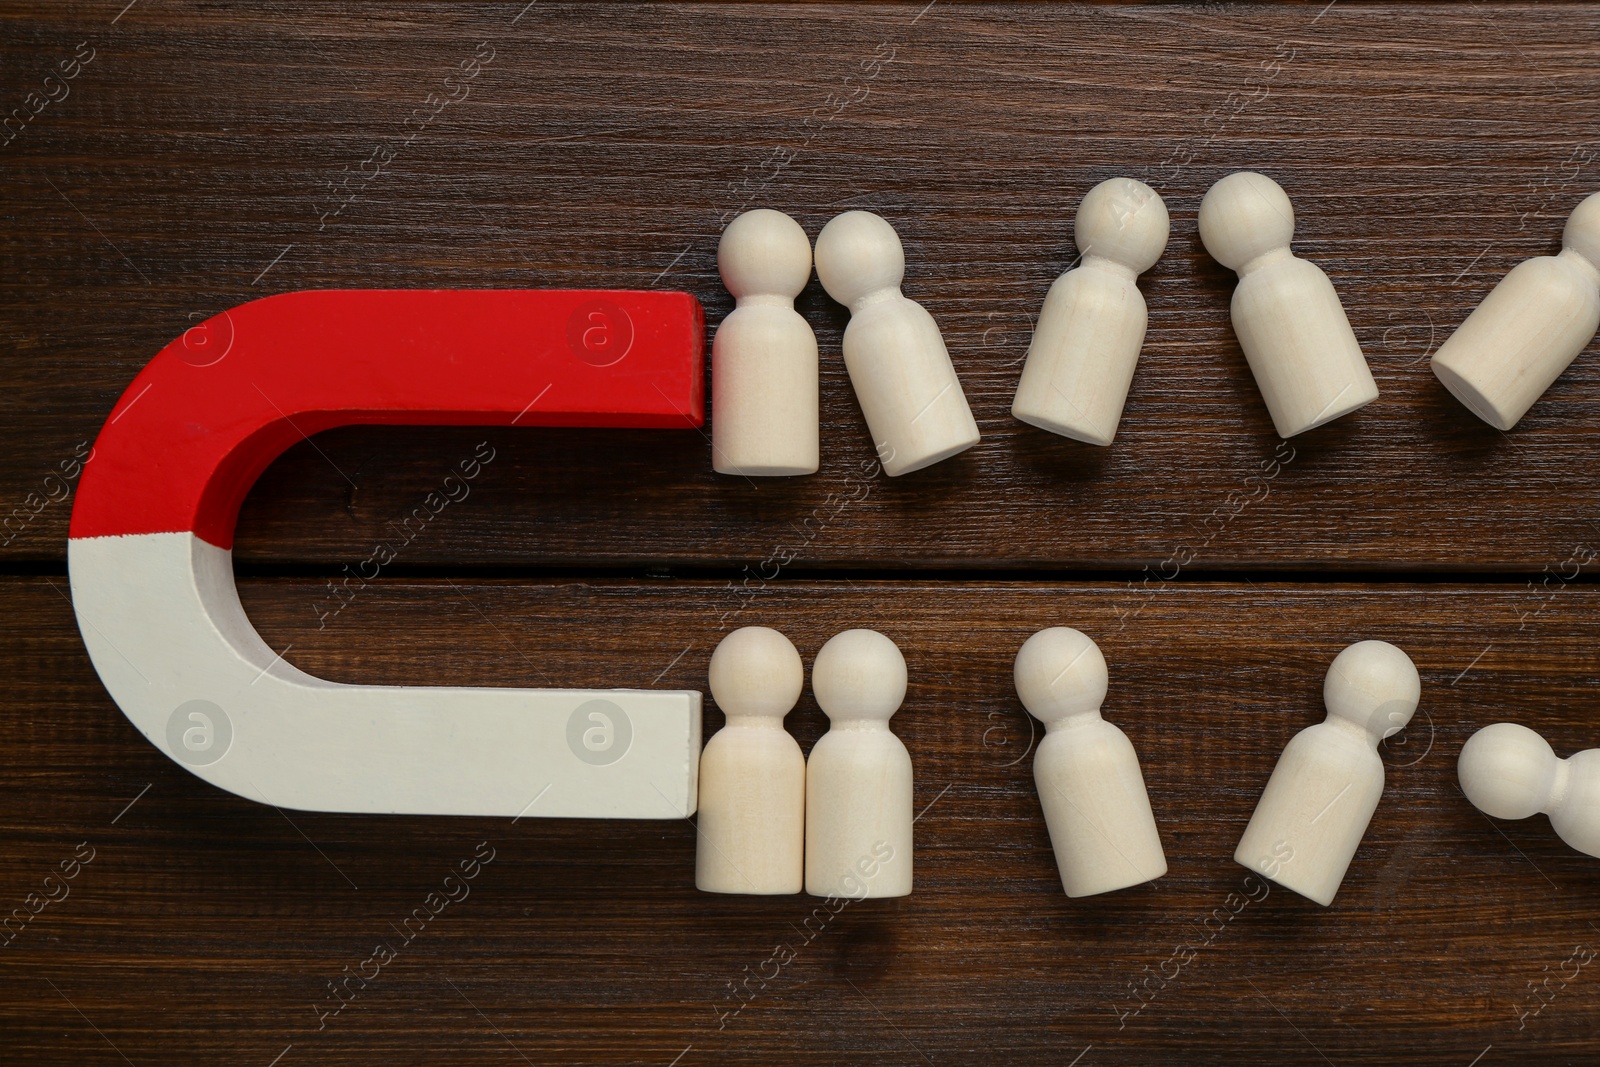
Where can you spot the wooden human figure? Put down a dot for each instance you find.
(1095, 804)
(1529, 328)
(899, 366)
(858, 779)
(1509, 772)
(1087, 342)
(1288, 318)
(752, 775)
(1326, 785)
(764, 414)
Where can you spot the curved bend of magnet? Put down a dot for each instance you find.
(151, 562)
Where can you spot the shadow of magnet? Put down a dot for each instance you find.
(151, 562)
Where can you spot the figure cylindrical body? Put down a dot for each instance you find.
(1576, 814)
(764, 415)
(1316, 807)
(1517, 342)
(1299, 344)
(764, 356)
(858, 814)
(902, 376)
(1084, 351)
(899, 367)
(1101, 827)
(751, 835)
(1288, 318)
(1095, 806)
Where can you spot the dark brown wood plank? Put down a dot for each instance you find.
(206, 927)
(1428, 148)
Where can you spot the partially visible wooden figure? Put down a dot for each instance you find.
(764, 413)
(858, 780)
(1293, 330)
(1095, 804)
(1529, 328)
(899, 366)
(1326, 785)
(1080, 364)
(1510, 772)
(752, 774)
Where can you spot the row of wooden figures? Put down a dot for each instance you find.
(1288, 318)
(840, 825)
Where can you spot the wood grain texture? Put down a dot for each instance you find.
(197, 164)
(1428, 148)
(207, 927)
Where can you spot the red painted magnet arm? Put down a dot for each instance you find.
(200, 423)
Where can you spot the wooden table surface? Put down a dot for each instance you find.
(207, 153)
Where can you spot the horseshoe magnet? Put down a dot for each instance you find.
(151, 562)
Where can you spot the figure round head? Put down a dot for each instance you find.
(1374, 685)
(859, 674)
(1060, 672)
(764, 252)
(859, 253)
(756, 671)
(1582, 234)
(1123, 220)
(1243, 216)
(1507, 771)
